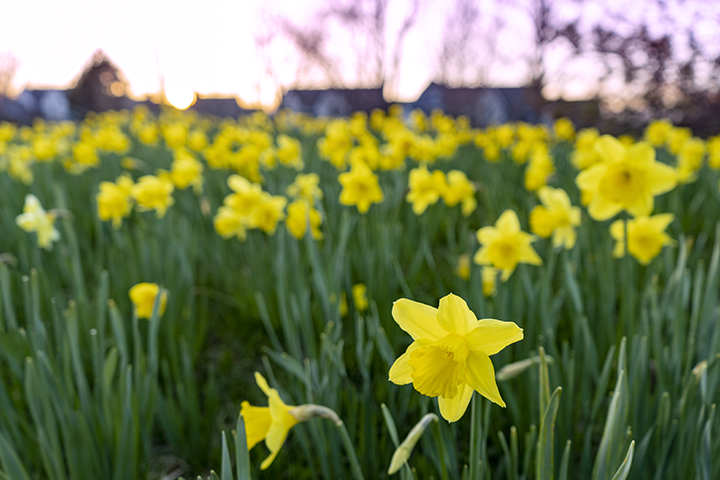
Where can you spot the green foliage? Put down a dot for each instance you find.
(88, 391)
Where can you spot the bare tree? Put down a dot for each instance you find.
(8, 68)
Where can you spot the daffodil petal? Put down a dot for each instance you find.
(480, 375)
(482, 256)
(487, 234)
(610, 148)
(417, 319)
(400, 372)
(529, 255)
(490, 336)
(452, 409)
(602, 209)
(268, 461)
(455, 316)
(661, 178)
(276, 435)
(262, 383)
(508, 222)
(590, 179)
(257, 423)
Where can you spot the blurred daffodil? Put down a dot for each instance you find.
(627, 178)
(645, 236)
(143, 297)
(556, 216)
(35, 219)
(360, 187)
(505, 245)
(114, 201)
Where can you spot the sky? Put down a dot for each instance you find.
(210, 47)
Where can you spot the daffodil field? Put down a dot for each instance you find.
(385, 295)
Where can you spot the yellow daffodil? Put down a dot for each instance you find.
(539, 169)
(489, 280)
(505, 245)
(114, 201)
(268, 212)
(450, 354)
(359, 291)
(645, 236)
(713, 150)
(556, 216)
(360, 187)
(289, 152)
(186, 170)
(143, 297)
(229, 223)
(657, 132)
(426, 188)
(460, 189)
(153, 193)
(585, 156)
(299, 213)
(246, 197)
(305, 187)
(271, 423)
(564, 129)
(35, 219)
(462, 269)
(627, 178)
(690, 159)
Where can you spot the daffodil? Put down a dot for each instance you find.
(153, 193)
(489, 280)
(564, 129)
(426, 188)
(305, 187)
(299, 213)
(229, 223)
(627, 178)
(143, 297)
(460, 189)
(268, 212)
(505, 245)
(462, 269)
(556, 216)
(450, 354)
(645, 236)
(271, 423)
(114, 201)
(360, 187)
(35, 219)
(359, 291)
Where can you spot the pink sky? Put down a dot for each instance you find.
(208, 47)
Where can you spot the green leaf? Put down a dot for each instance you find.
(242, 456)
(225, 467)
(624, 469)
(544, 466)
(10, 461)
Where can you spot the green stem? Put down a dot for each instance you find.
(350, 449)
